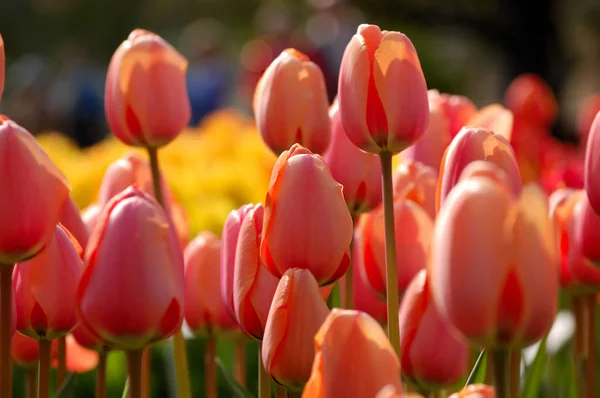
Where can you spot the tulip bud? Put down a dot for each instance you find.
(78, 358)
(592, 165)
(585, 242)
(253, 285)
(412, 242)
(382, 91)
(296, 314)
(306, 223)
(482, 168)
(494, 265)
(290, 104)
(71, 219)
(358, 172)
(146, 98)
(353, 345)
(458, 110)
(475, 391)
(205, 312)
(24, 350)
(416, 182)
(2, 66)
(530, 98)
(430, 366)
(495, 118)
(131, 291)
(45, 288)
(28, 218)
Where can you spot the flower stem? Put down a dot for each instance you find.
(61, 371)
(264, 380)
(391, 275)
(502, 373)
(515, 372)
(44, 369)
(101, 375)
(146, 371)
(210, 364)
(153, 155)
(6, 298)
(31, 382)
(590, 367)
(349, 280)
(240, 361)
(134, 369)
(280, 391)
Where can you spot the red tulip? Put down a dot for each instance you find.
(87, 339)
(2, 66)
(495, 118)
(416, 182)
(290, 104)
(358, 172)
(131, 292)
(475, 391)
(587, 111)
(45, 288)
(78, 359)
(205, 312)
(146, 98)
(458, 110)
(382, 91)
(90, 216)
(592, 165)
(28, 217)
(306, 224)
(71, 219)
(296, 314)
(25, 351)
(530, 98)
(585, 240)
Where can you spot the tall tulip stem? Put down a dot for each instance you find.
(61, 371)
(101, 375)
(5, 329)
(515, 372)
(44, 369)
(179, 351)
(280, 391)
(590, 367)
(391, 275)
(210, 355)
(502, 373)
(349, 280)
(146, 371)
(134, 369)
(240, 361)
(31, 382)
(264, 380)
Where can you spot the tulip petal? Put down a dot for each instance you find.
(496, 118)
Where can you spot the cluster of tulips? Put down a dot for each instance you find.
(457, 247)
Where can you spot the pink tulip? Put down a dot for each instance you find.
(416, 182)
(458, 110)
(71, 219)
(495, 118)
(530, 98)
(592, 165)
(2, 66)
(585, 241)
(90, 216)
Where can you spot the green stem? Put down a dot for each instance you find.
(101, 375)
(264, 380)
(349, 280)
(591, 346)
(134, 368)
(6, 298)
(391, 276)
(158, 194)
(61, 371)
(502, 373)
(44, 368)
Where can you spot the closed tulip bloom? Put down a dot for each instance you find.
(382, 91)
(586, 112)
(70, 218)
(90, 216)
(296, 314)
(358, 172)
(592, 165)
(87, 338)
(2, 66)
(253, 285)
(24, 350)
(28, 217)
(458, 110)
(417, 182)
(495, 118)
(346, 339)
(145, 97)
(430, 366)
(412, 241)
(494, 263)
(45, 288)
(587, 233)
(482, 168)
(306, 223)
(205, 312)
(290, 104)
(529, 97)
(131, 291)
(79, 359)
(476, 391)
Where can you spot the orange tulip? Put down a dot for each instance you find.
(70, 218)
(131, 291)
(530, 98)
(146, 98)
(290, 104)
(494, 267)
(475, 391)
(430, 366)
(78, 359)
(306, 224)
(28, 217)
(353, 358)
(416, 182)
(412, 240)
(295, 316)
(358, 172)
(458, 110)
(495, 118)
(592, 165)
(205, 312)
(45, 288)
(2, 66)
(24, 350)
(382, 91)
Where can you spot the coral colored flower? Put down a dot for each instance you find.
(529, 97)
(290, 104)
(2, 66)
(307, 223)
(78, 359)
(416, 182)
(70, 218)
(458, 110)
(382, 91)
(90, 216)
(354, 358)
(585, 241)
(592, 165)
(24, 350)
(482, 168)
(494, 263)
(495, 118)
(146, 98)
(358, 172)
(413, 239)
(45, 288)
(295, 316)
(205, 312)
(87, 339)
(475, 391)
(131, 292)
(430, 366)
(33, 193)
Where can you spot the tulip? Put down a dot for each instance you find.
(71, 219)
(253, 285)
(131, 291)
(482, 168)
(358, 172)
(45, 288)
(416, 182)
(592, 165)
(146, 98)
(78, 358)
(25, 351)
(28, 217)
(458, 110)
(412, 239)
(296, 314)
(530, 98)
(587, 233)
(382, 91)
(87, 339)
(430, 366)
(430, 149)
(475, 391)
(494, 264)
(306, 223)
(347, 339)
(495, 118)
(586, 113)
(477, 144)
(2, 66)
(205, 312)
(290, 104)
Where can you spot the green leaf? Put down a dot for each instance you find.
(66, 390)
(533, 379)
(237, 389)
(125, 389)
(477, 375)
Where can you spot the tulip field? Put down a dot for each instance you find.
(398, 242)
